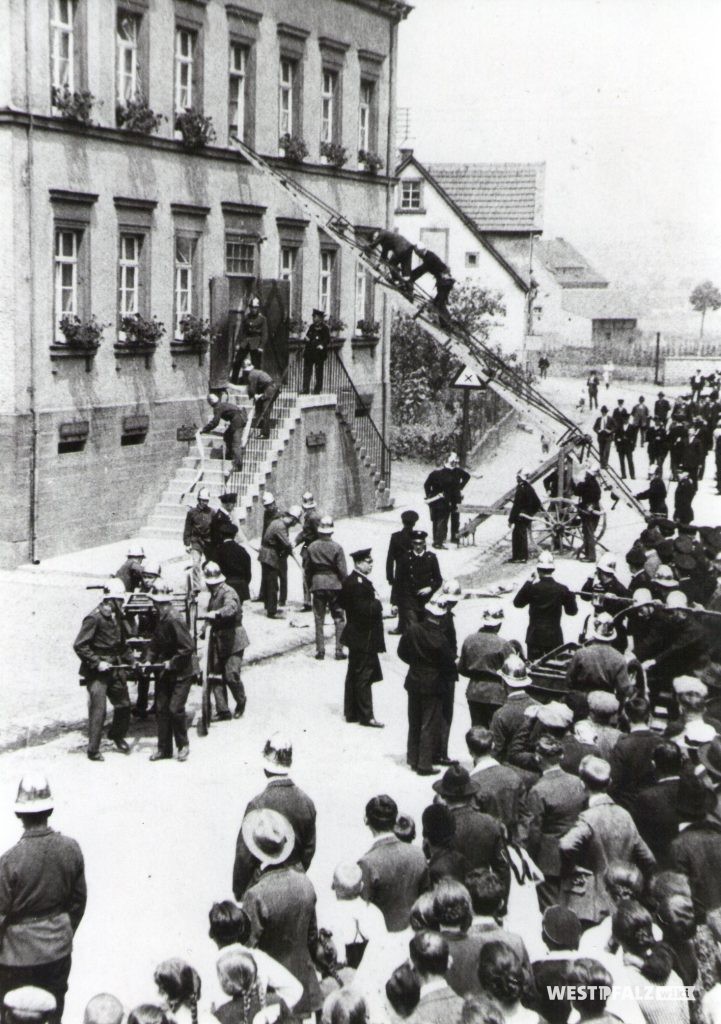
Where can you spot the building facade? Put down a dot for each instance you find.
(123, 197)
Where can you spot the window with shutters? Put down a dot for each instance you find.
(185, 60)
(185, 290)
(62, 44)
(127, 57)
(129, 274)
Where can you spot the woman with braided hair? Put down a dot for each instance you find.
(238, 976)
(179, 987)
(333, 974)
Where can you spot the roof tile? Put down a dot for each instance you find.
(496, 197)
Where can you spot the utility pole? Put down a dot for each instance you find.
(658, 357)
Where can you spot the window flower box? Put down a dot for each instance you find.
(138, 336)
(196, 130)
(293, 148)
(371, 162)
(194, 339)
(74, 106)
(82, 339)
(136, 116)
(333, 153)
(367, 334)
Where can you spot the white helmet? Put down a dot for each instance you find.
(135, 550)
(607, 564)
(113, 589)
(268, 499)
(203, 494)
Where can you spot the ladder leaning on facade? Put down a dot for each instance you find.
(507, 381)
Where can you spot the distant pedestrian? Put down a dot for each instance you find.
(592, 388)
(640, 417)
(543, 364)
(607, 375)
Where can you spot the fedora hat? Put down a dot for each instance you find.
(268, 835)
(456, 783)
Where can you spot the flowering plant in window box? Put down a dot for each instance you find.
(136, 116)
(140, 331)
(335, 325)
(334, 153)
(82, 335)
(197, 131)
(371, 161)
(194, 332)
(294, 148)
(368, 328)
(75, 106)
(296, 327)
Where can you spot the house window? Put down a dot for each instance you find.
(185, 297)
(410, 195)
(185, 45)
(239, 257)
(287, 89)
(129, 274)
(363, 295)
(365, 112)
(289, 270)
(471, 259)
(237, 90)
(328, 100)
(326, 285)
(127, 36)
(68, 242)
(62, 64)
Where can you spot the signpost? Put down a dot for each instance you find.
(466, 381)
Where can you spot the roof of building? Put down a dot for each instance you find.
(496, 197)
(568, 266)
(600, 304)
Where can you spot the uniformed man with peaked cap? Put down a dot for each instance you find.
(363, 636)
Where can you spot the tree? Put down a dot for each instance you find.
(705, 296)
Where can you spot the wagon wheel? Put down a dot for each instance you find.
(556, 527)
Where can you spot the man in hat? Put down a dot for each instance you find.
(281, 903)
(697, 850)
(227, 642)
(131, 571)
(500, 789)
(655, 493)
(588, 492)
(552, 719)
(282, 795)
(657, 443)
(602, 710)
(172, 646)
(608, 594)
(315, 352)
(604, 430)
(418, 576)
(42, 898)
(444, 493)
(636, 562)
(29, 1005)
(225, 515)
(683, 499)
(196, 536)
(603, 834)
(401, 543)
(251, 339)
(394, 873)
(233, 560)
(639, 418)
(546, 600)
(552, 807)
(625, 441)
(510, 718)
(235, 418)
(661, 407)
(276, 547)
(101, 644)
(307, 534)
(425, 648)
(363, 636)
(663, 582)
(432, 264)
(526, 504)
(439, 845)
(482, 656)
(677, 434)
(326, 569)
(592, 388)
(263, 391)
(597, 665)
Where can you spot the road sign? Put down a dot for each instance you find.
(469, 380)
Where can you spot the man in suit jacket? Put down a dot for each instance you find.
(604, 431)
(281, 904)
(394, 873)
(632, 758)
(401, 543)
(234, 560)
(697, 850)
(280, 794)
(546, 600)
(500, 789)
(438, 1004)
(656, 809)
(603, 834)
(363, 636)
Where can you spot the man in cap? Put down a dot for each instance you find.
(546, 600)
(692, 695)
(510, 718)
(588, 492)
(131, 571)
(683, 499)
(661, 407)
(235, 419)
(432, 264)
(597, 665)
(552, 807)
(42, 898)
(29, 1005)
(526, 504)
(401, 544)
(425, 648)
(281, 903)
(418, 576)
(233, 560)
(560, 934)
(326, 569)
(482, 656)
(275, 549)
(172, 646)
(655, 493)
(552, 719)
(282, 795)
(602, 710)
(394, 873)
(315, 352)
(307, 534)
(657, 447)
(625, 441)
(500, 789)
(604, 833)
(263, 391)
(228, 640)
(225, 515)
(251, 339)
(604, 430)
(448, 597)
(364, 638)
(444, 493)
(196, 536)
(101, 644)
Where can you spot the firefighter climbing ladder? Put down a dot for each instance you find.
(507, 381)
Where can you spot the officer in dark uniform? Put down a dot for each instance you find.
(418, 576)
(588, 492)
(101, 644)
(526, 504)
(315, 352)
(252, 339)
(172, 645)
(546, 600)
(196, 536)
(401, 543)
(363, 636)
(236, 418)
